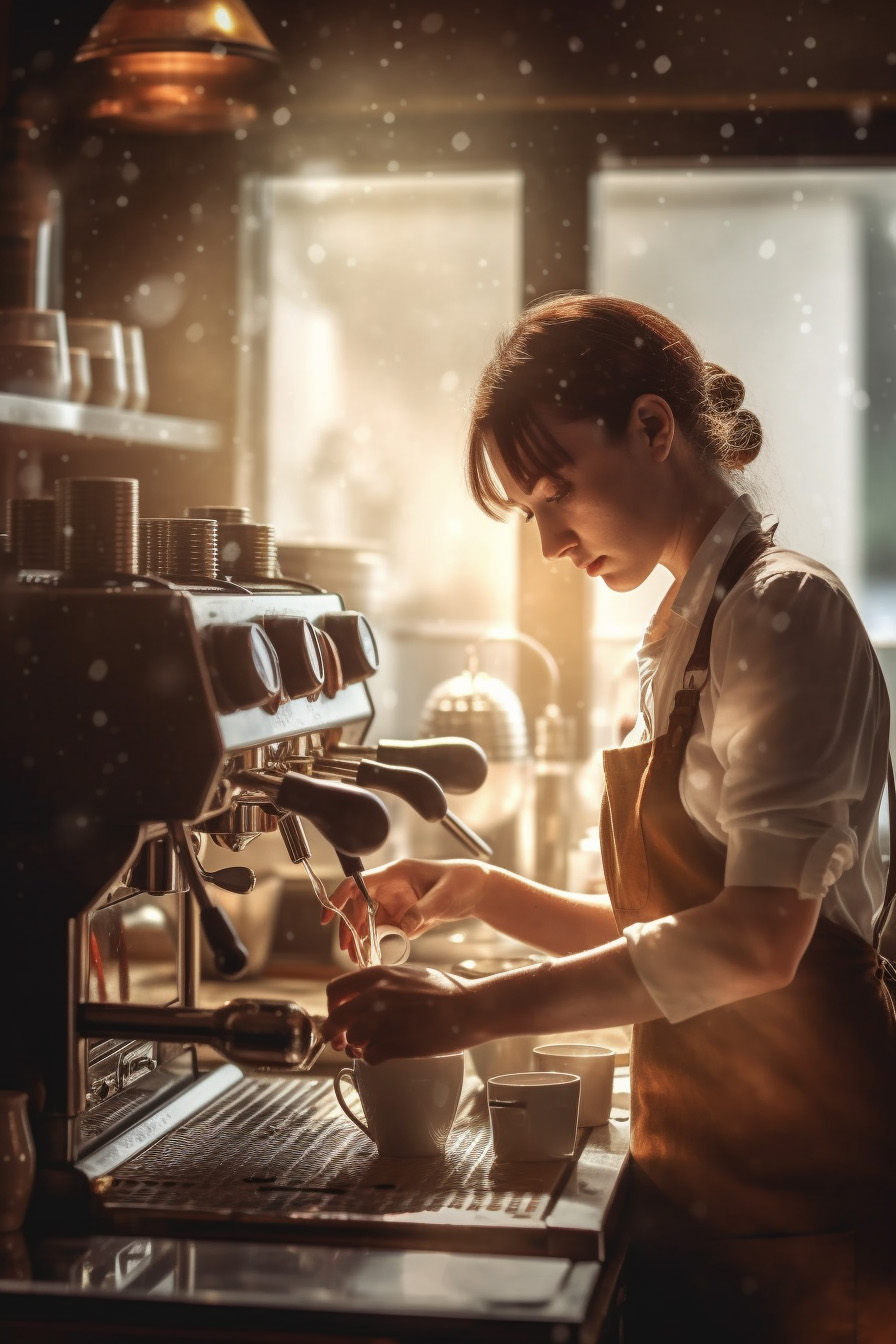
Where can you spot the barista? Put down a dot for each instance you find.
(739, 840)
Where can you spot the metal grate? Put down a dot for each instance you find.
(280, 1148)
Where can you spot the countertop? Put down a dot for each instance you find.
(236, 1285)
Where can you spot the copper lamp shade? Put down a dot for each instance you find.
(176, 65)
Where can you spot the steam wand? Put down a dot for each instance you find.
(293, 833)
(354, 868)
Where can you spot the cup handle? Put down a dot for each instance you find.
(399, 945)
(337, 1088)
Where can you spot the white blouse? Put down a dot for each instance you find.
(786, 764)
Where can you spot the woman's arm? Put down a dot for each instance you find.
(745, 942)
(418, 895)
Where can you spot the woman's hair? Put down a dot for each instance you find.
(590, 356)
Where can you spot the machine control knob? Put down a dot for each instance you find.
(353, 637)
(299, 652)
(244, 666)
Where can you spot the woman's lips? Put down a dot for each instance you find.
(595, 567)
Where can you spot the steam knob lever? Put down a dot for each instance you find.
(231, 957)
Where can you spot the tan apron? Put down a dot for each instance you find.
(763, 1133)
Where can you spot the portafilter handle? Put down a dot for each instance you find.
(348, 817)
(258, 1033)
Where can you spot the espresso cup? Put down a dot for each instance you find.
(409, 1105)
(533, 1116)
(595, 1066)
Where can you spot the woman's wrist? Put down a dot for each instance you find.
(483, 881)
(507, 1004)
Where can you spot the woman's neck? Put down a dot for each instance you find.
(702, 503)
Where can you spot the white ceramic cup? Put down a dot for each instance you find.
(595, 1065)
(409, 1104)
(534, 1116)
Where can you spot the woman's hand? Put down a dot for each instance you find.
(390, 1012)
(415, 894)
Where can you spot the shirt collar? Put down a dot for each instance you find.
(697, 585)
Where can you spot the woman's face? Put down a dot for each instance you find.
(612, 509)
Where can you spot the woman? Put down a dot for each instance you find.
(739, 840)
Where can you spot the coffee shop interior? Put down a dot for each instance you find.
(253, 258)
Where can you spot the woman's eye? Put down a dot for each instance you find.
(561, 492)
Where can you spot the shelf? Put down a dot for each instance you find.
(136, 428)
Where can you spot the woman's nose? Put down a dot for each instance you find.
(555, 542)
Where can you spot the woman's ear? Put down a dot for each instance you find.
(651, 419)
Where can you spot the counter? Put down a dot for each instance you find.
(191, 1240)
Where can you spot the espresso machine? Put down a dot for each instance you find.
(165, 688)
(162, 680)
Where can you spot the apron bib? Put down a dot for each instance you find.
(761, 1132)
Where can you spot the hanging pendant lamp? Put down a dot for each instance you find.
(176, 65)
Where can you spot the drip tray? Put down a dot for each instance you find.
(277, 1156)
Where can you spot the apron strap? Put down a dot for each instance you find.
(684, 708)
(748, 549)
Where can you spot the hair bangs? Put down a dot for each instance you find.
(526, 448)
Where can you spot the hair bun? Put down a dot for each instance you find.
(724, 391)
(744, 439)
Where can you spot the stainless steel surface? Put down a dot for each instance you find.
(250, 1290)
(278, 1153)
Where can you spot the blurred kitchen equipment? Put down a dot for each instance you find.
(485, 709)
(175, 65)
(358, 572)
(34, 354)
(103, 339)
(35, 369)
(82, 379)
(30, 222)
(17, 1160)
(135, 366)
(33, 324)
